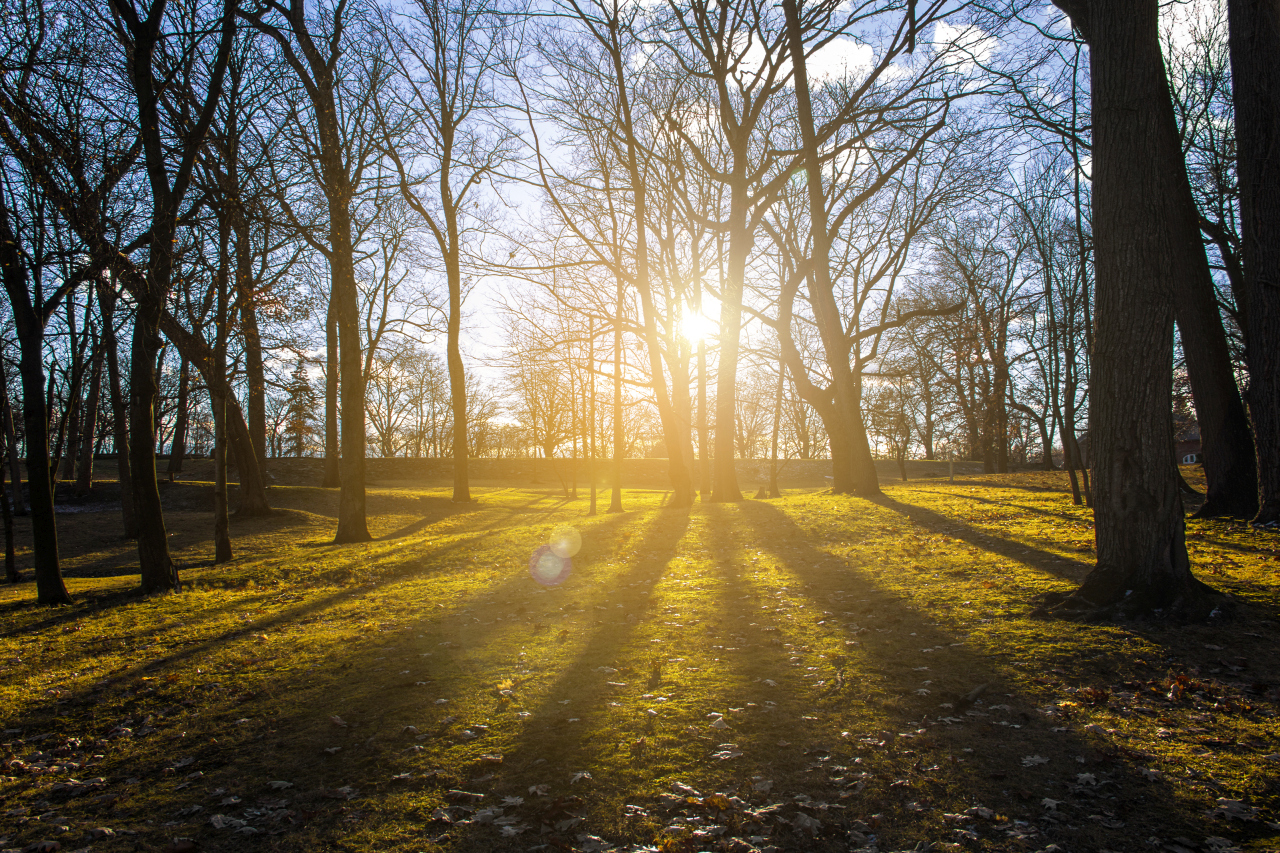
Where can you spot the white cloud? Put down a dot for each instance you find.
(839, 59)
(969, 44)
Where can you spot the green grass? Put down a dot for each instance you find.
(874, 666)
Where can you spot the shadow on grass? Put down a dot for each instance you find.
(1023, 507)
(1046, 561)
(981, 745)
(899, 765)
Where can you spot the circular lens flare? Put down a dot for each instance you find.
(549, 569)
(566, 542)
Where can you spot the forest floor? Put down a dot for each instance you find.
(814, 672)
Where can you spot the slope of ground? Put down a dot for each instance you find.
(809, 673)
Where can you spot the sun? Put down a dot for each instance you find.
(695, 327)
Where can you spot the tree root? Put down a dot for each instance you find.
(1196, 604)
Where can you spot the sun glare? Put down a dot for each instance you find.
(695, 327)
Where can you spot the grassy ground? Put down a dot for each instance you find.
(809, 673)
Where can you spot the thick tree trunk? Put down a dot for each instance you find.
(1230, 467)
(89, 428)
(1255, 44)
(158, 571)
(178, 445)
(44, 530)
(1142, 567)
(457, 382)
(352, 526)
(332, 455)
(857, 474)
(50, 588)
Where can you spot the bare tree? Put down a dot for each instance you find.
(450, 139)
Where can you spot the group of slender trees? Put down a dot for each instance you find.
(908, 227)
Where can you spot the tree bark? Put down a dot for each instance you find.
(777, 427)
(119, 408)
(1254, 43)
(853, 468)
(1142, 566)
(254, 374)
(178, 445)
(158, 571)
(221, 526)
(724, 472)
(11, 447)
(615, 500)
(197, 352)
(10, 568)
(457, 371)
(89, 425)
(30, 326)
(332, 455)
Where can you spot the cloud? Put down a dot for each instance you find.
(969, 44)
(838, 59)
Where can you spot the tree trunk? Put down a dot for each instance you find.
(11, 447)
(89, 426)
(10, 568)
(704, 447)
(253, 486)
(857, 473)
(44, 531)
(119, 409)
(178, 446)
(777, 427)
(1142, 567)
(255, 377)
(1230, 467)
(457, 384)
(591, 411)
(221, 526)
(352, 526)
(158, 571)
(332, 455)
(29, 325)
(615, 500)
(724, 472)
(1255, 42)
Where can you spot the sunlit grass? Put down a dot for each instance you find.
(871, 666)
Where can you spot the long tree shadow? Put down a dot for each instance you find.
(1046, 561)
(967, 716)
(1023, 507)
(554, 735)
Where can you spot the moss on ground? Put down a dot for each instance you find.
(816, 672)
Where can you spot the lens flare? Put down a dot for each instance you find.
(566, 542)
(547, 568)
